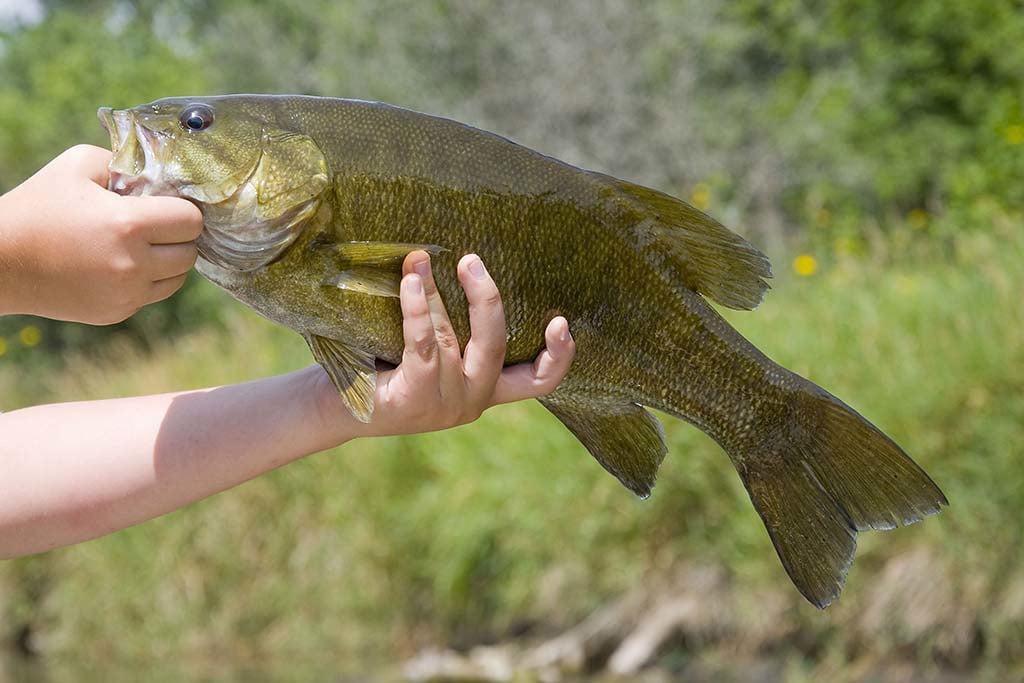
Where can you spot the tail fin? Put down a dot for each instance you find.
(823, 477)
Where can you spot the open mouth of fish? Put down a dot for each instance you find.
(137, 165)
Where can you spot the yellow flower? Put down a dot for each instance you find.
(918, 218)
(1014, 133)
(3, 346)
(805, 265)
(30, 336)
(701, 196)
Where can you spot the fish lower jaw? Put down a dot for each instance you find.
(143, 185)
(123, 184)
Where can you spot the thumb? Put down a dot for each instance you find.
(89, 161)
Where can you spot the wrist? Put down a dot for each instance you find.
(15, 281)
(335, 424)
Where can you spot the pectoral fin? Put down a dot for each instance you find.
(372, 281)
(373, 268)
(353, 372)
(627, 440)
(376, 253)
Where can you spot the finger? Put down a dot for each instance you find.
(447, 343)
(171, 220)
(532, 380)
(485, 351)
(170, 260)
(161, 289)
(91, 162)
(420, 365)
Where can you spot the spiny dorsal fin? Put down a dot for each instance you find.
(627, 440)
(353, 372)
(711, 259)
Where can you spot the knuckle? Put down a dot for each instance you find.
(125, 268)
(446, 339)
(76, 152)
(171, 287)
(492, 298)
(545, 385)
(124, 224)
(473, 413)
(119, 313)
(494, 351)
(543, 390)
(469, 413)
(191, 218)
(389, 402)
(425, 348)
(82, 153)
(126, 305)
(191, 255)
(489, 298)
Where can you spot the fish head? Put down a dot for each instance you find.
(256, 181)
(200, 150)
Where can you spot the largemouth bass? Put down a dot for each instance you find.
(310, 205)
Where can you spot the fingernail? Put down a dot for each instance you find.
(564, 335)
(422, 268)
(476, 268)
(416, 285)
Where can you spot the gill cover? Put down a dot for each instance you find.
(252, 227)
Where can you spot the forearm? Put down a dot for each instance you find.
(75, 471)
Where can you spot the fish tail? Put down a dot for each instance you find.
(819, 476)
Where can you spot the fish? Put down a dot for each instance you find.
(310, 205)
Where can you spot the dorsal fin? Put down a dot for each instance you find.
(711, 259)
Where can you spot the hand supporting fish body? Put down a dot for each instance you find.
(311, 204)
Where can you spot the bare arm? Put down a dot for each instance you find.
(75, 471)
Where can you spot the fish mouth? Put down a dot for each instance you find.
(136, 167)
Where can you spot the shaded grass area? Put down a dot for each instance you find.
(507, 527)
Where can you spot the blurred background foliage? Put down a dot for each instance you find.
(874, 149)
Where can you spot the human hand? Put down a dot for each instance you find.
(436, 386)
(72, 250)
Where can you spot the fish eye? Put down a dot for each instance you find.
(197, 117)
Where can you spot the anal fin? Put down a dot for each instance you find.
(368, 280)
(627, 440)
(352, 371)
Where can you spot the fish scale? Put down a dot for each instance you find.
(312, 203)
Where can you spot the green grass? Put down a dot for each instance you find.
(379, 547)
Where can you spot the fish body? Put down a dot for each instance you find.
(310, 205)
